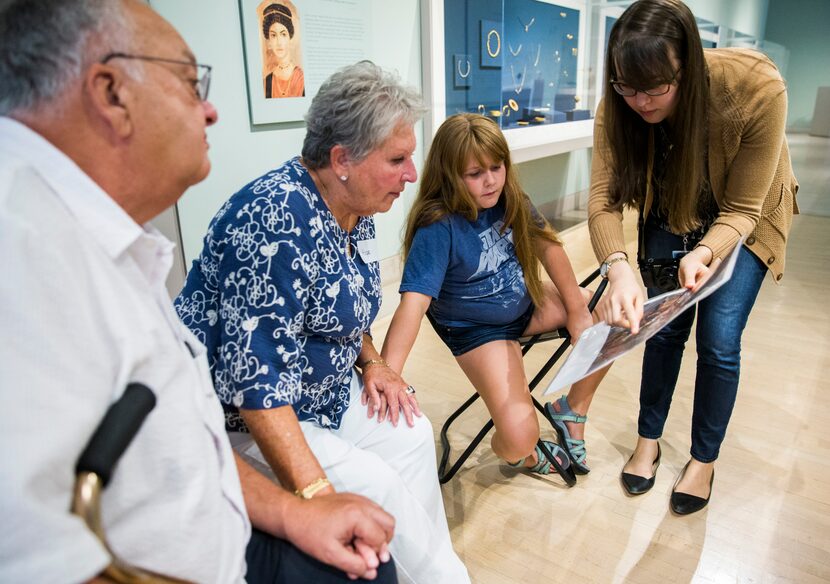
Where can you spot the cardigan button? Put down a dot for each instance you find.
(750, 240)
(771, 260)
(779, 276)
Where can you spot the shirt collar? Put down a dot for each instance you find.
(113, 229)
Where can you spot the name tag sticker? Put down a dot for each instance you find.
(368, 250)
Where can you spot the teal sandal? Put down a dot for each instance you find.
(559, 462)
(574, 448)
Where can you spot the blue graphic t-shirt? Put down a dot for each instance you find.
(469, 268)
(281, 297)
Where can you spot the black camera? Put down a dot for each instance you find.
(660, 273)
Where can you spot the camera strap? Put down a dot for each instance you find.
(689, 239)
(642, 209)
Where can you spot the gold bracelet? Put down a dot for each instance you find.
(313, 488)
(370, 362)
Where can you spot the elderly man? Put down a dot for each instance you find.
(102, 126)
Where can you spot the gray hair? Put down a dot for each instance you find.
(357, 107)
(45, 45)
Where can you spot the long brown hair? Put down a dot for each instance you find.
(442, 190)
(639, 50)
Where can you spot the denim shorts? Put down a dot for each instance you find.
(461, 339)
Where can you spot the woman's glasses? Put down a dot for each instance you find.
(628, 91)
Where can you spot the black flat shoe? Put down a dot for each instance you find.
(637, 485)
(684, 503)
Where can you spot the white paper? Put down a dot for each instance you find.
(602, 343)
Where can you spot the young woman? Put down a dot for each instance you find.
(286, 79)
(473, 246)
(695, 142)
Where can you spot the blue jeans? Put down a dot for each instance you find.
(720, 324)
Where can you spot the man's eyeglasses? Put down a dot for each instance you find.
(628, 91)
(201, 84)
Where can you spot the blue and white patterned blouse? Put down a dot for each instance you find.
(279, 302)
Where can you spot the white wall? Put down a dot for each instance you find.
(240, 152)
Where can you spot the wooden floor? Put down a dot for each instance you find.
(769, 516)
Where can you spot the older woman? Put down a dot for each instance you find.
(283, 295)
(287, 78)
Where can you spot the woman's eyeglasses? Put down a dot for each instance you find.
(628, 91)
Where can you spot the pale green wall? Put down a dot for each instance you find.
(803, 27)
(241, 153)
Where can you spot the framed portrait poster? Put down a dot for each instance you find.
(292, 46)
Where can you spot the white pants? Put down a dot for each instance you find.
(395, 468)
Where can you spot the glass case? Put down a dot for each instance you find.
(516, 62)
(534, 66)
(524, 63)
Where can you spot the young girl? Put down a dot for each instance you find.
(472, 247)
(695, 141)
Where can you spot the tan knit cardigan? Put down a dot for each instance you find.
(749, 163)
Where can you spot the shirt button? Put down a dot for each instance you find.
(771, 260)
(750, 240)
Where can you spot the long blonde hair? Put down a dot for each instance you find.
(442, 190)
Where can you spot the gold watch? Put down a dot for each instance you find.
(312, 488)
(606, 265)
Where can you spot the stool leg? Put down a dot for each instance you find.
(567, 474)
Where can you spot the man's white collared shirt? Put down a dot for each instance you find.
(84, 312)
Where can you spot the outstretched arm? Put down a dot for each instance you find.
(404, 329)
(399, 340)
(344, 530)
(558, 267)
(622, 304)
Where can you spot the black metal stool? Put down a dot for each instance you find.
(526, 343)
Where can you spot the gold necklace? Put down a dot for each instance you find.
(324, 194)
(282, 90)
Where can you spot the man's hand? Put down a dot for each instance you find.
(343, 530)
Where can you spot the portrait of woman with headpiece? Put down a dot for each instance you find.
(282, 75)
